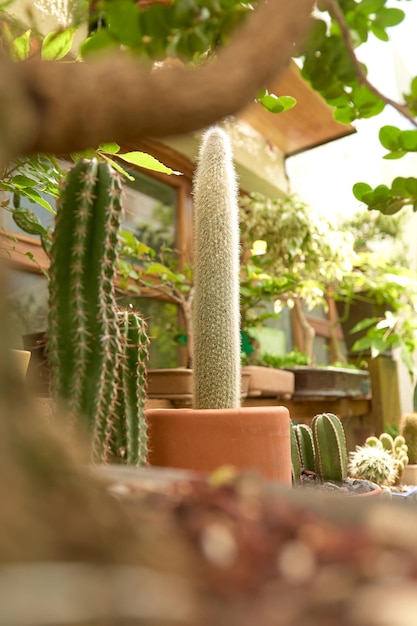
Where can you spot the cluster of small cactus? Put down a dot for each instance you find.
(372, 463)
(408, 429)
(216, 363)
(396, 447)
(320, 448)
(85, 341)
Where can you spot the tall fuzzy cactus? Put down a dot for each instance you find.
(128, 441)
(216, 362)
(330, 447)
(83, 334)
(409, 432)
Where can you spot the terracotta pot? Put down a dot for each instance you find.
(369, 494)
(202, 440)
(409, 475)
(269, 382)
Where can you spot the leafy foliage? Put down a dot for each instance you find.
(300, 243)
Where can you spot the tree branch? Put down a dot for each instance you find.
(80, 105)
(335, 11)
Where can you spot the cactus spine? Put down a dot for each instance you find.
(373, 463)
(330, 447)
(129, 437)
(83, 331)
(396, 448)
(216, 302)
(409, 432)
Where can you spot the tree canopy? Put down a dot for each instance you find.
(155, 68)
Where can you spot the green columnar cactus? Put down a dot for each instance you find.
(129, 435)
(397, 448)
(296, 466)
(216, 301)
(305, 446)
(330, 447)
(372, 463)
(83, 335)
(409, 432)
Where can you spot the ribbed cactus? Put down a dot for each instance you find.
(216, 302)
(396, 447)
(129, 439)
(330, 447)
(409, 432)
(302, 449)
(372, 463)
(296, 466)
(83, 333)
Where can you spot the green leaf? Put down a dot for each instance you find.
(117, 166)
(122, 18)
(398, 154)
(160, 270)
(359, 189)
(408, 140)
(99, 41)
(36, 198)
(261, 94)
(147, 161)
(21, 46)
(414, 87)
(109, 148)
(57, 44)
(379, 32)
(344, 115)
(29, 222)
(271, 103)
(387, 17)
(288, 102)
(364, 323)
(20, 180)
(389, 137)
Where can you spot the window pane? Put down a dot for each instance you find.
(162, 319)
(28, 304)
(46, 218)
(150, 208)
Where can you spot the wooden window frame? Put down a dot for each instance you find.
(15, 246)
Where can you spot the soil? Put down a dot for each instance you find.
(349, 486)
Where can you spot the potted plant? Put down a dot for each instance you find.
(218, 430)
(312, 255)
(408, 429)
(258, 289)
(376, 299)
(97, 353)
(320, 458)
(142, 270)
(299, 243)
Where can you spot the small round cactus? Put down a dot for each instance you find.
(374, 463)
(397, 448)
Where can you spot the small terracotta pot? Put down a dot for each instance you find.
(203, 440)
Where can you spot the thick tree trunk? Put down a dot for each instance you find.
(60, 107)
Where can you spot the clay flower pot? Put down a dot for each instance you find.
(204, 439)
